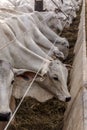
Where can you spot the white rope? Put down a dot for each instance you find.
(6, 45)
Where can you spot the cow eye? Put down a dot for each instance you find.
(55, 78)
(12, 82)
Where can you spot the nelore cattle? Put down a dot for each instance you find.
(18, 56)
(26, 38)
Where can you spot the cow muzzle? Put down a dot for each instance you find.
(64, 99)
(5, 116)
(68, 99)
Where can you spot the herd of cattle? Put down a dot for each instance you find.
(28, 43)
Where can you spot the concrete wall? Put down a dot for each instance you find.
(76, 114)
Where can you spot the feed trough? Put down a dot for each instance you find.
(76, 113)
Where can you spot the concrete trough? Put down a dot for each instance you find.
(76, 113)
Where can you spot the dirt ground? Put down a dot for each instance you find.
(34, 115)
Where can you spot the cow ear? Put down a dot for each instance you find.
(19, 71)
(22, 71)
(68, 66)
(25, 74)
(41, 78)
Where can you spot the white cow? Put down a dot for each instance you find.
(29, 37)
(22, 4)
(69, 10)
(26, 8)
(79, 2)
(6, 13)
(60, 42)
(53, 37)
(49, 5)
(5, 4)
(6, 36)
(72, 3)
(43, 88)
(52, 84)
(18, 56)
(51, 19)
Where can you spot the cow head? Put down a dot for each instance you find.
(55, 80)
(52, 82)
(6, 84)
(70, 11)
(63, 46)
(55, 23)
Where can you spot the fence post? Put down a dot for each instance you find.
(38, 5)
